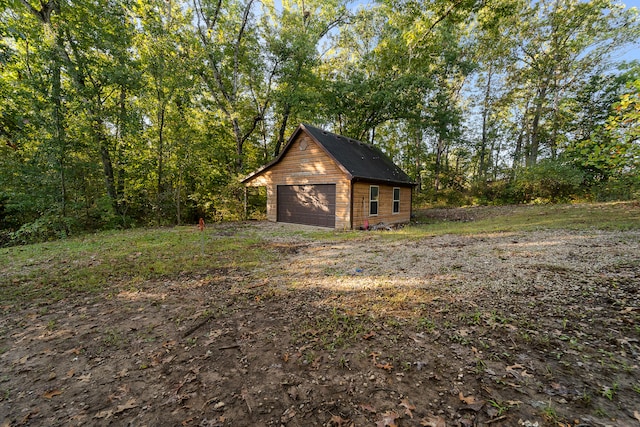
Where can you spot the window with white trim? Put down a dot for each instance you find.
(396, 200)
(374, 193)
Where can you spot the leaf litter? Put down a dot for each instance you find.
(502, 329)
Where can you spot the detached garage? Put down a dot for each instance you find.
(328, 180)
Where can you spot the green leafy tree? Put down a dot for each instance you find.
(165, 45)
(560, 44)
(233, 67)
(438, 48)
(293, 36)
(613, 149)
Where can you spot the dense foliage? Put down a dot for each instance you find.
(123, 112)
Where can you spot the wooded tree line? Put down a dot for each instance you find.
(123, 112)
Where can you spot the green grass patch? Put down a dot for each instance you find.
(602, 216)
(615, 216)
(54, 270)
(92, 263)
(334, 330)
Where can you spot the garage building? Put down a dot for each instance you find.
(328, 180)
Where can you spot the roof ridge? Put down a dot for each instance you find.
(362, 160)
(357, 159)
(340, 136)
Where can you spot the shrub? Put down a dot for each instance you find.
(627, 187)
(491, 193)
(550, 181)
(49, 226)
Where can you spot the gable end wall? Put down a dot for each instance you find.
(302, 167)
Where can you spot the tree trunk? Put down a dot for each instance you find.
(239, 145)
(107, 165)
(43, 15)
(281, 130)
(60, 134)
(494, 160)
(122, 133)
(160, 170)
(418, 160)
(517, 154)
(534, 147)
(553, 144)
(178, 195)
(227, 100)
(482, 167)
(440, 147)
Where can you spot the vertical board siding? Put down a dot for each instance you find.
(385, 205)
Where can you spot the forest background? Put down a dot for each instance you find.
(120, 113)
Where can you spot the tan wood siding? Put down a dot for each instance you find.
(385, 205)
(306, 165)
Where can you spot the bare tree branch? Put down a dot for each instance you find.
(236, 50)
(44, 14)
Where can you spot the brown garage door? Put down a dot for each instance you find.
(307, 204)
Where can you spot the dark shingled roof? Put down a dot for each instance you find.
(360, 160)
(363, 161)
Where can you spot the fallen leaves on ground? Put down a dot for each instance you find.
(408, 407)
(386, 366)
(338, 421)
(444, 310)
(368, 335)
(108, 413)
(388, 419)
(433, 421)
(51, 393)
(469, 400)
(368, 408)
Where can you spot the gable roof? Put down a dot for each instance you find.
(359, 160)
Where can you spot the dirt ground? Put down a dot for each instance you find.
(508, 329)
